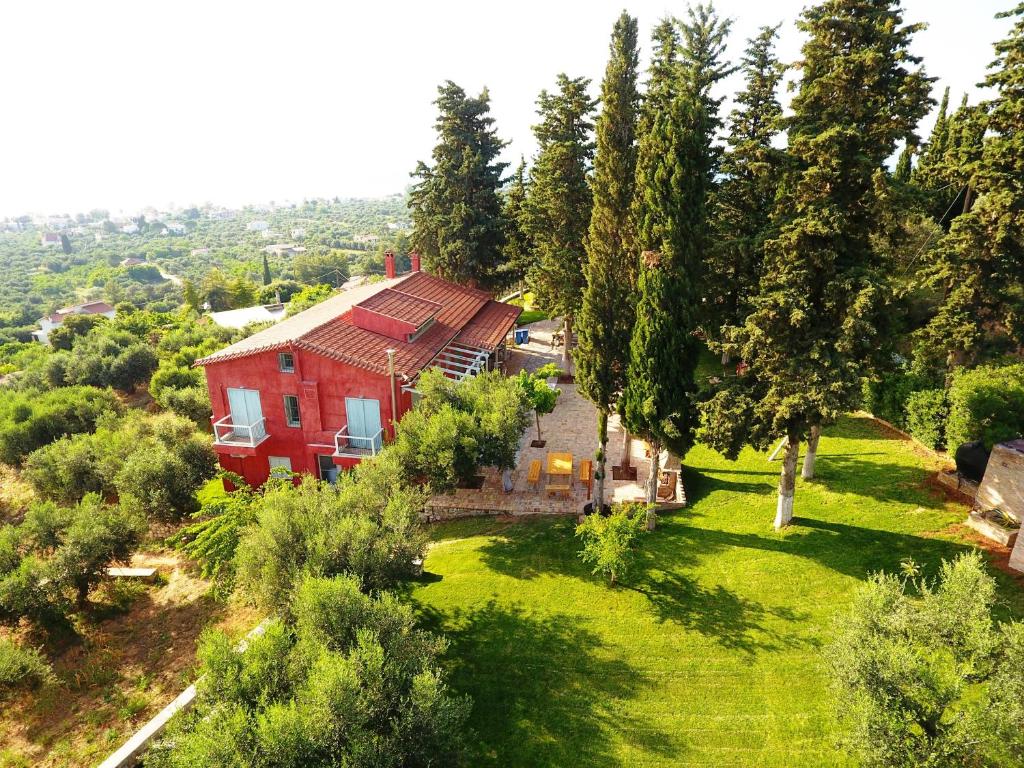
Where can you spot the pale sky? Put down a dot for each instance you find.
(120, 105)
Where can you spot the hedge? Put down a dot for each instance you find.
(987, 404)
(927, 410)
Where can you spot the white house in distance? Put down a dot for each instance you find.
(47, 324)
(257, 226)
(49, 238)
(131, 228)
(239, 318)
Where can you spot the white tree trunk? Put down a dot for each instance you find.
(655, 473)
(807, 473)
(787, 484)
(725, 359)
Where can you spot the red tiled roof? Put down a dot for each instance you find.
(401, 306)
(458, 309)
(489, 326)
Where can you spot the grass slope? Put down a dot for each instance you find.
(712, 653)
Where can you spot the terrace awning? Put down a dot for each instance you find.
(456, 361)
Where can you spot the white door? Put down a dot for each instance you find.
(364, 422)
(246, 413)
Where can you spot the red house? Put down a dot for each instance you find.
(324, 388)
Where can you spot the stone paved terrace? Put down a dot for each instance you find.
(571, 427)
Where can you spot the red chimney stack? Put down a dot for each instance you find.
(414, 261)
(389, 263)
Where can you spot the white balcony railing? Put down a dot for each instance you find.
(226, 432)
(353, 445)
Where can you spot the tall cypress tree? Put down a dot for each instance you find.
(931, 156)
(813, 321)
(606, 316)
(559, 199)
(905, 164)
(456, 207)
(518, 251)
(751, 171)
(702, 52)
(980, 264)
(670, 220)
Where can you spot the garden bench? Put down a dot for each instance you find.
(559, 486)
(533, 475)
(143, 574)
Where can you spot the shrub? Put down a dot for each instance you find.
(97, 536)
(353, 682)
(927, 411)
(885, 395)
(22, 667)
(929, 680)
(366, 525)
(171, 375)
(30, 419)
(155, 464)
(986, 403)
(439, 447)
(608, 542)
(191, 402)
(459, 427)
(213, 540)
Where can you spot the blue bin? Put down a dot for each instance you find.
(522, 335)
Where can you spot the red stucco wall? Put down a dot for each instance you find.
(320, 384)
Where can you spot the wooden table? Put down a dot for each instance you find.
(559, 472)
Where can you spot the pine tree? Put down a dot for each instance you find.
(701, 59)
(559, 200)
(669, 215)
(518, 251)
(933, 152)
(980, 264)
(905, 164)
(751, 171)
(456, 205)
(606, 316)
(949, 160)
(812, 326)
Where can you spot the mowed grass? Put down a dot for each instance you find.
(712, 652)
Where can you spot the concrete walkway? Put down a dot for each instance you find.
(571, 427)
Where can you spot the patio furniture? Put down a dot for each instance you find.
(587, 475)
(667, 486)
(533, 475)
(559, 473)
(557, 339)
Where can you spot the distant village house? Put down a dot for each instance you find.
(47, 324)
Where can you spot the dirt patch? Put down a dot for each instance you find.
(998, 555)
(121, 671)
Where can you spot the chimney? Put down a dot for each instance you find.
(414, 260)
(389, 263)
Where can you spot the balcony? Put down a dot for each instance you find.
(227, 434)
(352, 446)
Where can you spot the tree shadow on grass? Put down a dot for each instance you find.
(733, 621)
(526, 550)
(543, 691)
(883, 481)
(848, 549)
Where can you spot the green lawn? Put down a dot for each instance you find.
(712, 653)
